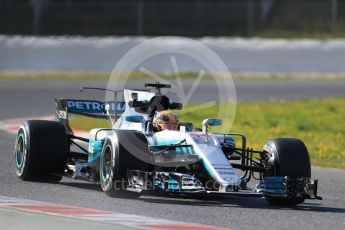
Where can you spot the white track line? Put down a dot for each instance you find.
(98, 215)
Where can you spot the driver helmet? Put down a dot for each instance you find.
(165, 120)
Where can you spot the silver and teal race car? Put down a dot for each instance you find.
(131, 157)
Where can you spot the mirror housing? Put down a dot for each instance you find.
(107, 108)
(135, 118)
(210, 122)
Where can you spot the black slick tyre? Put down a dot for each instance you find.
(287, 157)
(40, 151)
(116, 159)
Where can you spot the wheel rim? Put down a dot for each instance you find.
(20, 152)
(106, 163)
(269, 165)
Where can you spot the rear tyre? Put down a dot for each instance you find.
(40, 151)
(287, 157)
(116, 159)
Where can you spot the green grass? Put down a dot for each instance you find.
(318, 122)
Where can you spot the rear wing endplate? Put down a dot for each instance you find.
(89, 108)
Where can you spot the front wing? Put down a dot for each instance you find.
(186, 184)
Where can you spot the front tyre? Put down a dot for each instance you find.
(40, 151)
(109, 165)
(115, 160)
(287, 157)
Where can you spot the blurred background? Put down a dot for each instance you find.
(269, 36)
(248, 18)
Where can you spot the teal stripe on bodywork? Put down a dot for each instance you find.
(95, 150)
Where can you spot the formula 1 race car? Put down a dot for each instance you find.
(137, 155)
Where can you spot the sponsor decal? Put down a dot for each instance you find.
(199, 134)
(62, 114)
(94, 106)
(199, 138)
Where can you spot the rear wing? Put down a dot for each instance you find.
(89, 108)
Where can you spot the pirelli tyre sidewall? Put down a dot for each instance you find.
(109, 161)
(115, 160)
(287, 157)
(20, 152)
(40, 151)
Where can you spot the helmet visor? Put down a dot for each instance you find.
(168, 126)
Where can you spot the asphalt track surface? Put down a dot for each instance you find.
(34, 98)
(51, 222)
(238, 54)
